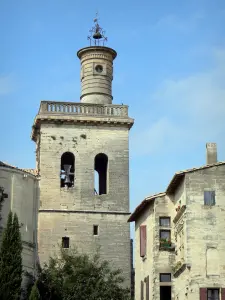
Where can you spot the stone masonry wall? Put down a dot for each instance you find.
(163, 259)
(85, 142)
(144, 266)
(22, 189)
(205, 230)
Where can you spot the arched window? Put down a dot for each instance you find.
(67, 169)
(101, 174)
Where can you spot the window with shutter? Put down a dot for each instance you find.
(223, 294)
(209, 198)
(203, 294)
(147, 287)
(143, 237)
(213, 294)
(142, 290)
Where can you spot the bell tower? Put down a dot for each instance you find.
(82, 157)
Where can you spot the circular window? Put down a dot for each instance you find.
(99, 68)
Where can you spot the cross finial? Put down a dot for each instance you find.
(96, 17)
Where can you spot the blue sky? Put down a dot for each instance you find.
(170, 70)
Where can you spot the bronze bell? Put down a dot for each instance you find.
(97, 35)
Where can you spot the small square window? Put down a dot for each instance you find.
(209, 198)
(164, 221)
(165, 277)
(212, 294)
(164, 234)
(95, 230)
(65, 242)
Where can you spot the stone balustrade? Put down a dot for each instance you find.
(49, 107)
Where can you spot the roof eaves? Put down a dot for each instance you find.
(29, 171)
(142, 205)
(179, 175)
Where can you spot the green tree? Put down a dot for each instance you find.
(34, 295)
(11, 260)
(80, 277)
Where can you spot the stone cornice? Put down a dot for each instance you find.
(79, 119)
(83, 211)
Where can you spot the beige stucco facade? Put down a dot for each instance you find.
(195, 258)
(22, 190)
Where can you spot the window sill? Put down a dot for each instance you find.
(67, 189)
(165, 227)
(167, 247)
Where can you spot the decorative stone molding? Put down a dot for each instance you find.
(179, 214)
(178, 268)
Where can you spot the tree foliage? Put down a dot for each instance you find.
(11, 260)
(34, 295)
(79, 277)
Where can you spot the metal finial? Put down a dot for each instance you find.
(97, 36)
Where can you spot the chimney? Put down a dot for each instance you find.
(211, 153)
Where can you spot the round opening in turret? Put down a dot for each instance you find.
(99, 68)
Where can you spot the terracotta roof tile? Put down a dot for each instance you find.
(30, 171)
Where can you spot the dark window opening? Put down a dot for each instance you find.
(165, 292)
(101, 174)
(147, 288)
(164, 221)
(99, 68)
(165, 277)
(95, 230)
(67, 169)
(209, 198)
(142, 290)
(65, 242)
(213, 294)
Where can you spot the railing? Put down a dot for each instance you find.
(83, 109)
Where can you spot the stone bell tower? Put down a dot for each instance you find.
(82, 155)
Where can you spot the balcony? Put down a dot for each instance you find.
(77, 112)
(77, 108)
(179, 268)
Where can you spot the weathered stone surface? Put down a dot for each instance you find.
(198, 260)
(22, 190)
(85, 130)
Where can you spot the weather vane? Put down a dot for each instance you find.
(97, 36)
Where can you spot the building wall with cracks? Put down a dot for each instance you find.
(195, 204)
(22, 190)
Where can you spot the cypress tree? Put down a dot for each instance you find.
(11, 260)
(34, 295)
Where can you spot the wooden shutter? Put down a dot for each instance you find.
(143, 240)
(223, 294)
(147, 287)
(142, 290)
(203, 294)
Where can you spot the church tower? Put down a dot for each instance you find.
(82, 155)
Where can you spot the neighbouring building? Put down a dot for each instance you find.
(179, 236)
(21, 191)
